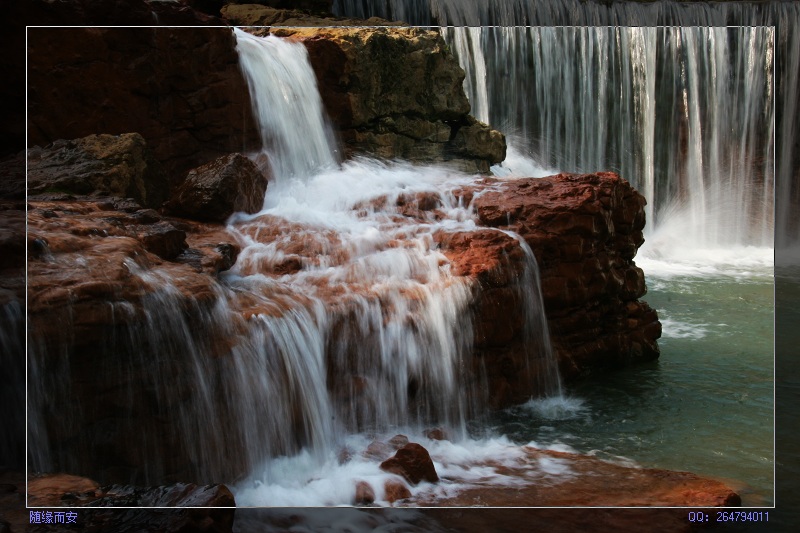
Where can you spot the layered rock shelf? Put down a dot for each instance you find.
(98, 264)
(391, 92)
(584, 231)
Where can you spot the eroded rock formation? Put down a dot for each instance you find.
(99, 266)
(584, 231)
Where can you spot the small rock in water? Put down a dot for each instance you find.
(413, 462)
(344, 456)
(395, 490)
(436, 434)
(365, 495)
(398, 441)
(378, 450)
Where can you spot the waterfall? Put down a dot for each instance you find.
(341, 317)
(12, 346)
(697, 118)
(283, 90)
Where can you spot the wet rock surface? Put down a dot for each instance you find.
(584, 231)
(394, 490)
(96, 270)
(413, 463)
(365, 494)
(216, 190)
(587, 481)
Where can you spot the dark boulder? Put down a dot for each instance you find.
(413, 462)
(216, 190)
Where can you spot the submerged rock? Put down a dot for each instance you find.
(436, 434)
(413, 462)
(216, 190)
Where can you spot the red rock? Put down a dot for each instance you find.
(365, 495)
(163, 239)
(413, 462)
(584, 231)
(216, 190)
(590, 297)
(394, 490)
(596, 483)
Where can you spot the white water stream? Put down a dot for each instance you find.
(375, 303)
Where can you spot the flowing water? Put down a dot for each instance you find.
(340, 324)
(339, 300)
(600, 88)
(388, 313)
(642, 416)
(702, 121)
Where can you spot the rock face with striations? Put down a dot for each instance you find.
(397, 93)
(584, 231)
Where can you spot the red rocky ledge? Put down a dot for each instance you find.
(584, 231)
